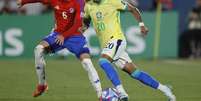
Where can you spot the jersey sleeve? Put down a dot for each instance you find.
(120, 4)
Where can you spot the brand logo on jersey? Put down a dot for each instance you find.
(99, 15)
(71, 10)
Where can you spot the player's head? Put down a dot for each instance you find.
(198, 3)
(97, 1)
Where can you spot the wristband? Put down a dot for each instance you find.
(141, 24)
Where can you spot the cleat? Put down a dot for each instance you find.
(40, 90)
(100, 99)
(169, 94)
(123, 99)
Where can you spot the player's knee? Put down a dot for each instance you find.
(83, 53)
(38, 50)
(84, 56)
(136, 73)
(103, 61)
(87, 62)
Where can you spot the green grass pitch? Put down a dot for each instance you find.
(69, 82)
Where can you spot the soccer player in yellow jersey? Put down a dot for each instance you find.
(105, 16)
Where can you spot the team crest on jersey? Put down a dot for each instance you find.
(72, 10)
(99, 15)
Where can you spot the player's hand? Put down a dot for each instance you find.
(19, 3)
(82, 29)
(144, 30)
(59, 39)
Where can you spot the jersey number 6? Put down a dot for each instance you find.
(64, 15)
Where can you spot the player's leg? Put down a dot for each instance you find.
(77, 45)
(148, 80)
(112, 50)
(126, 64)
(39, 53)
(92, 73)
(46, 46)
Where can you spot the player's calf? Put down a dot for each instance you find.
(92, 74)
(148, 80)
(40, 64)
(111, 73)
(113, 76)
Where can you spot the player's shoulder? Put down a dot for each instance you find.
(88, 4)
(114, 1)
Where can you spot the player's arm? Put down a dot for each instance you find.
(20, 3)
(132, 8)
(86, 20)
(85, 24)
(137, 14)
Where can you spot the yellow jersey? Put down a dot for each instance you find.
(106, 19)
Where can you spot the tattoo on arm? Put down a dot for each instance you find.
(135, 11)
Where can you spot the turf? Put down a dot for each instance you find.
(69, 82)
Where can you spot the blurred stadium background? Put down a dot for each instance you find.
(171, 52)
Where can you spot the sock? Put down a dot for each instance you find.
(121, 91)
(110, 71)
(40, 64)
(93, 76)
(162, 88)
(145, 78)
(167, 91)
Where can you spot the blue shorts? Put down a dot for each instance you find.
(75, 44)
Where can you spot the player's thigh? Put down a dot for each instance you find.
(114, 48)
(77, 45)
(122, 60)
(50, 40)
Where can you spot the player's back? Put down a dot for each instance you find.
(106, 19)
(66, 13)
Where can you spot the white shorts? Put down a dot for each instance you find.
(116, 49)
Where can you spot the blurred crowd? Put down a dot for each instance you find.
(190, 40)
(10, 7)
(166, 4)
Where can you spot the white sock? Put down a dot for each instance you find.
(162, 88)
(40, 64)
(167, 91)
(93, 75)
(121, 91)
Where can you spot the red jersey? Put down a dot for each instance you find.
(67, 15)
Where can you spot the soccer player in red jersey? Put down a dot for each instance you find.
(66, 34)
